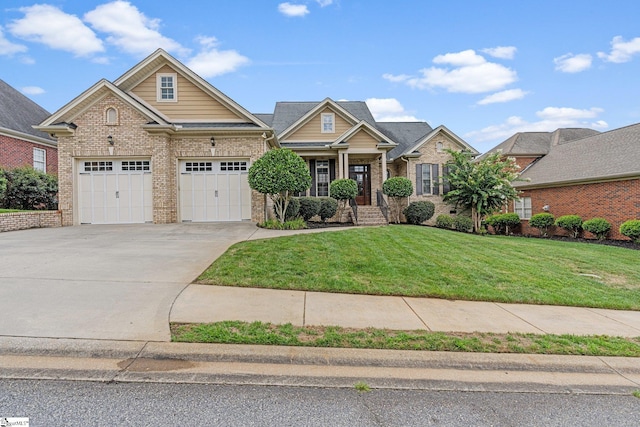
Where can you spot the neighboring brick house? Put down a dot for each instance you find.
(20, 143)
(596, 175)
(160, 144)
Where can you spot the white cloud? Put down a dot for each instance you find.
(52, 27)
(130, 30)
(289, 9)
(471, 73)
(502, 52)
(621, 51)
(551, 118)
(571, 63)
(324, 3)
(389, 110)
(32, 90)
(211, 61)
(504, 96)
(8, 48)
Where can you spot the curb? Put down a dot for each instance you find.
(163, 362)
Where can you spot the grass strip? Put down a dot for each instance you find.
(260, 333)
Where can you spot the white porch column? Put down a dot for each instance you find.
(345, 164)
(384, 166)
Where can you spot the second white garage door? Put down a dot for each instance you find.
(214, 191)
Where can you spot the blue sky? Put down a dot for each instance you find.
(485, 69)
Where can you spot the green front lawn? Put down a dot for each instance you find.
(10, 210)
(430, 262)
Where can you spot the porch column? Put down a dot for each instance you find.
(383, 161)
(345, 164)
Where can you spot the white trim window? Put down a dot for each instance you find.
(111, 116)
(167, 87)
(322, 178)
(522, 207)
(39, 159)
(328, 123)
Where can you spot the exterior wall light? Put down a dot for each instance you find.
(110, 140)
(213, 141)
(545, 208)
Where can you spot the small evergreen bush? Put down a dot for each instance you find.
(571, 223)
(309, 207)
(463, 223)
(501, 223)
(419, 212)
(328, 208)
(631, 229)
(28, 189)
(542, 221)
(292, 210)
(444, 221)
(600, 227)
(397, 188)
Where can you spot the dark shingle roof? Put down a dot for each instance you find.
(267, 119)
(602, 156)
(539, 143)
(287, 113)
(406, 134)
(19, 113)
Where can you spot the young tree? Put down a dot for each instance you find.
(398, 188)
(483, 185)
(280, 173)
(343, 190)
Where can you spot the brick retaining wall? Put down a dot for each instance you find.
(22, 220)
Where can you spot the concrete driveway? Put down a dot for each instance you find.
(104, 281)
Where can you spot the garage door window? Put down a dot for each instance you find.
(135, 165)
(198, 166)
(233, 166)
(98, 166)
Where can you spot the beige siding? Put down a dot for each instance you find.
(362, 140)
(193, 103)
(311, 131)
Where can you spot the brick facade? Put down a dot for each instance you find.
(132, 140)
(15, 153)
(615, 201)
(23, 220)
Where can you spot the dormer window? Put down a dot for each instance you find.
(328, 123)
(167, 87)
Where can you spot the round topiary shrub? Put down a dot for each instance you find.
(600, 227)
(444, 221)
(542, 221)
(463, 223)
(328, 207)
(501, 223)
(397, 188)
(343, 189)
(418, 212)
(292, 210)
(571, 223)
(631, 229)
(309, 207)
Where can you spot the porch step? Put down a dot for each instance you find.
(371, 215)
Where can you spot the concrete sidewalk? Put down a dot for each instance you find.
(205, 304)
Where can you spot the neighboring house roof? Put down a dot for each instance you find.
(539, 143)
(18, 114)
(603, 156)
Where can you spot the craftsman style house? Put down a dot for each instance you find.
(160, 144)
(20, 144)
(578, 172)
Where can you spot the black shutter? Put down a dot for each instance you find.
(312, 169)
(445, 179)
(332, 170)
(419, 179)
(434, 179)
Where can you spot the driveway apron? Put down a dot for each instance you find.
(104, 281)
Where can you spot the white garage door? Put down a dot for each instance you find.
(114, 191)
(214, 191)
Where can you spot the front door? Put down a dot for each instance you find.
(362, 175)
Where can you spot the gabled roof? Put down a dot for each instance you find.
(18, 114)
(603, 156)
(86, 99)
(290, 116)
(539, 143)
(408, 130)
(158, 59)
(366, 127)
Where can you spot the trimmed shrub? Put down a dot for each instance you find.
(631, 229)
(397, 188)
(501, 223)
(463, 223)
(419, 212)
(309, 207)
(600, 227)
(444, 221)
(3, 186)
(571, 223)
(28, 189)
(542, 221)
(343, 190)
(328, 207)
(292, 210)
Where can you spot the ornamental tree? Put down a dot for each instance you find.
(279, 173)
(343, 190)
(483, 185)
(397, 188)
